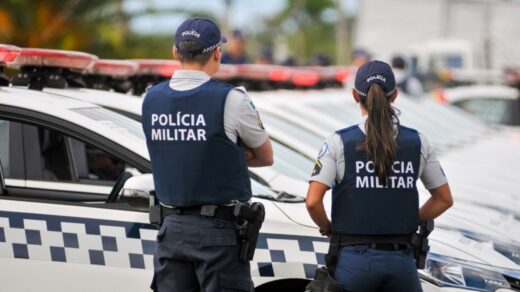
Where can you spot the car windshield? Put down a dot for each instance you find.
(290, 162)
(292, 130)
(114, 121)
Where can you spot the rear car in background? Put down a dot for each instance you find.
(493, 104)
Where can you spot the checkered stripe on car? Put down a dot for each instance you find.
(77, 240)
(132, 245)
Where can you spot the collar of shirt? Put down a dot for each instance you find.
(188, 79)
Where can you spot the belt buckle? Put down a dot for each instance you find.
(208, 210)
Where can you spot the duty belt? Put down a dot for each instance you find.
(382, 242)
(212, 211)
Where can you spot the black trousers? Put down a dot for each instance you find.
(195, 253)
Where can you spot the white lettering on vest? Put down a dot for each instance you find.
(365, 178)
(178, 127)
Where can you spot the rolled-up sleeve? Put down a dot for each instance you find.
(241, 119)
(325, 169)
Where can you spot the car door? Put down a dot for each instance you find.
(54, 223)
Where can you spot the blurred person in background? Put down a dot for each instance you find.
(320, 59)
(372, 168)
(236, 49)
(266, 57)
(405, 81)
(359, 57)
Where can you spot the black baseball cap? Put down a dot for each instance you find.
(375, 72)
(202, 31)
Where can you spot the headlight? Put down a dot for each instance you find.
(445, 271)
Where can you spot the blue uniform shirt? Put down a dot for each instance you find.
(193, 161)
(361, 204)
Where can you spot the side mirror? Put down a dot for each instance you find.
(137, 191)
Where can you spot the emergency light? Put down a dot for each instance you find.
(163, 68)
(114, 68)
(262, 72)
(280, 74)
(305, 78)
(73, 60)
(8, 53)
(39, 68)
(343, 75)
(226, 72)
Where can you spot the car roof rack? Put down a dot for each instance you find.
(39, 68)
(107, 74)
(7, 54)
(150, 72)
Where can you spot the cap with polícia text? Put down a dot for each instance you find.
(203, 32)
(375, 72)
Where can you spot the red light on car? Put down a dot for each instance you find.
(164, 68)
(8, 53)
(305, 78)
(280, 74)
(114, 68)
(226, 72)
(343, 75)
(55, 58)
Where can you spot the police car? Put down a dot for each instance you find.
(493, 104)
(60, 218)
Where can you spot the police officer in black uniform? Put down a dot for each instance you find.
(201, 136)
(372, 169)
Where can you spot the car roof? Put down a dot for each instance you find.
(112, 100)
(38, 100)
(480, 91)
(73, 111)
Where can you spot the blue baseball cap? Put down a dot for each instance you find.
(375, 72)
(202, 31)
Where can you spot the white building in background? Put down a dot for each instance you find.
(471, 35)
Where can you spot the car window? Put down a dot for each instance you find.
(291, 163)
(116, 122)
(292, 129)
(495, 111)
(58, 157)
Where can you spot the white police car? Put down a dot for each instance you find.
(493, 104)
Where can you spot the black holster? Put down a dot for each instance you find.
(420, 243)
(249, 221)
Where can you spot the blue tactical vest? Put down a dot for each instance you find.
(361, 204)
(193, 161)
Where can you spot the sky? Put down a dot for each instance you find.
(246, 14)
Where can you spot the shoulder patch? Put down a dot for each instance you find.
(317, 168)
(323, 150)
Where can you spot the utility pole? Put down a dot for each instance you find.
(487, 42)
(225, 20)
(341, 34)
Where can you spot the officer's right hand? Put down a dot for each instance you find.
(248, 154)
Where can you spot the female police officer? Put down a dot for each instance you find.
(372, 169)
